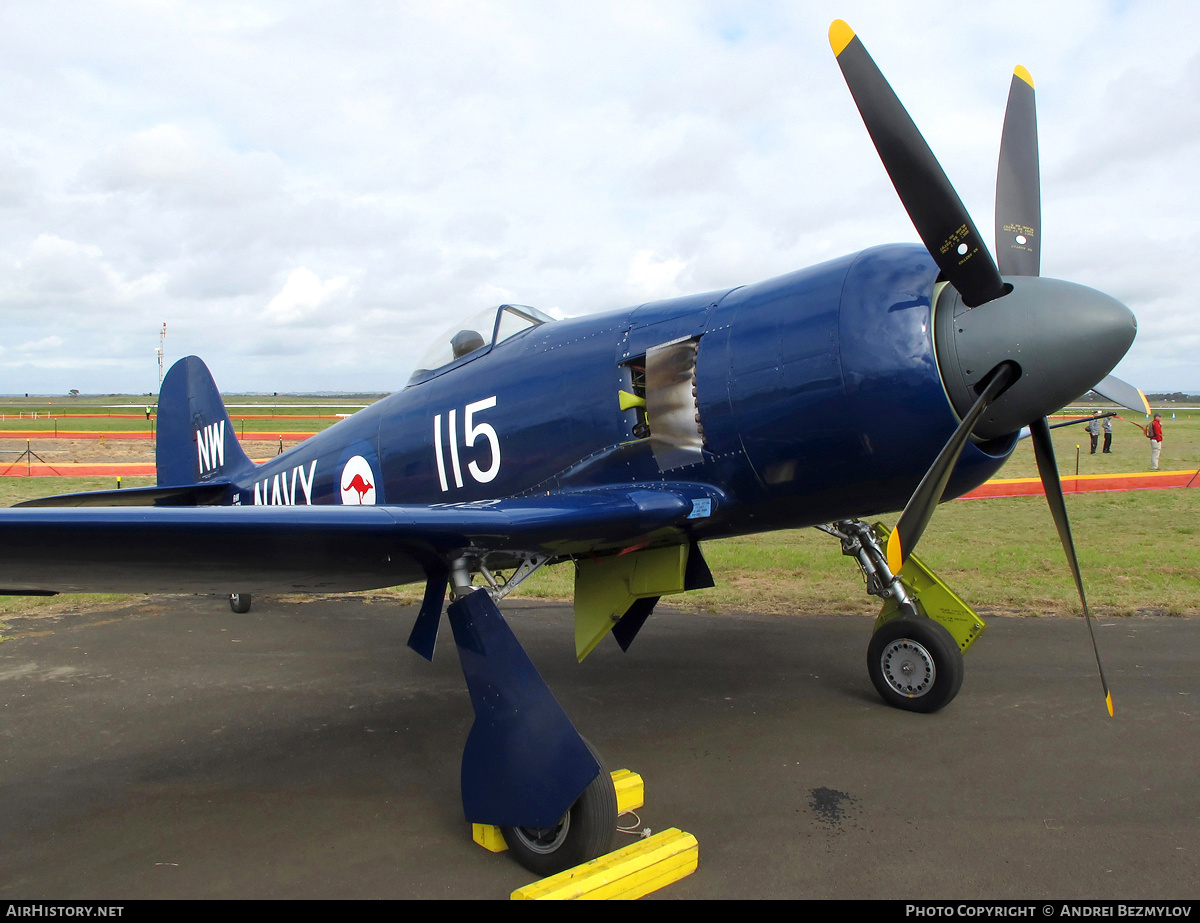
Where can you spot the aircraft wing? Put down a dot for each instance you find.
(257, 549)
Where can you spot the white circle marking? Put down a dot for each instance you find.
(358, 482)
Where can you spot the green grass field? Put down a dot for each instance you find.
(243, 426)
(1138, 549)
(1130, 449)
(249, 413)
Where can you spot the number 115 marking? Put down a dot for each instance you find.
(471, 433)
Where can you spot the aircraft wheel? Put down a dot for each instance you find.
(584, 833)
(239, 602)
(915, 664)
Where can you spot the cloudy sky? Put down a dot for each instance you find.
(307, 192)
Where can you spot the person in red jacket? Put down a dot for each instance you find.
(1154, 431)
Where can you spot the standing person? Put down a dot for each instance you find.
(1107, 435)
(1154, 431)
(1093, 429)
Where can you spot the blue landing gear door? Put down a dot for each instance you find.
(524, 763)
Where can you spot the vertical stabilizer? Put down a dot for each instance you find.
(196, 441)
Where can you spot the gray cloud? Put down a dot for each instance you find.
(306, 192)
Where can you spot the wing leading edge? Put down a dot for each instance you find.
(220, 549)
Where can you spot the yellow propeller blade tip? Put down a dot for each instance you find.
(840, 35)
(1020, 71)
(894, 554)
(1108, 702)
(1144, 401)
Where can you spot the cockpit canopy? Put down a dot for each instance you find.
(475, 336)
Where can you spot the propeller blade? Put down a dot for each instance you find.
(1018, 184)
(925, 498)
(939, 215)
(1043, 450)
(1123, 393)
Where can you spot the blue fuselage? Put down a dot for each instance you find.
(817, 397)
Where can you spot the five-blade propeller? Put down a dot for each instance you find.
(954, 243)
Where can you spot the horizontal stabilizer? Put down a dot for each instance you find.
(187, 495)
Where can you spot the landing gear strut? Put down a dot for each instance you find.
(525, 768)
(915, 663)
(859, 542)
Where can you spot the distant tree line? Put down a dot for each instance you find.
(1158, 397)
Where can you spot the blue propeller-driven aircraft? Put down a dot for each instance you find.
(672, 423)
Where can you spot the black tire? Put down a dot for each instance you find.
(915, 664)
(239, 602)
(585, 832)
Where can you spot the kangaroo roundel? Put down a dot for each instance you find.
(358, 482)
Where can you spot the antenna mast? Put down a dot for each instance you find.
(162, 345)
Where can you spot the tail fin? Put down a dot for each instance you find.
(196, 441)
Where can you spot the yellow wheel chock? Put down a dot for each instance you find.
(626, 874)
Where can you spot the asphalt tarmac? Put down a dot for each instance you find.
(174, 749)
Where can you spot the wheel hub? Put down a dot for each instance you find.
(908, 668)
(545, 840)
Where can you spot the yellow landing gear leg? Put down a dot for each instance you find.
(932, 598)
(915, 658)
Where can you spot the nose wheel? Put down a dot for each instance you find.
(915, 664)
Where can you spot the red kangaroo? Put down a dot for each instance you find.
(360, 485)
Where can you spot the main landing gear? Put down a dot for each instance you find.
(525, 769)
(584, 832)
(915, 661)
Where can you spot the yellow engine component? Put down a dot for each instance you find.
(630, 400)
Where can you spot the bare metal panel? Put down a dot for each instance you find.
(675, 434)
